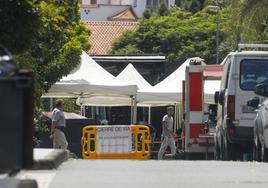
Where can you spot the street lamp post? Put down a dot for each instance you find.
(217, 30)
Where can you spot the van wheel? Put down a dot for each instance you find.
(264, 153)
(257, 151)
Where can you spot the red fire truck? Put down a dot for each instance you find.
(198, 92)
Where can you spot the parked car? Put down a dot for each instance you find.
(235, 119)
(260, 144)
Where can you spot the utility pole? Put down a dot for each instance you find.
(217, 8)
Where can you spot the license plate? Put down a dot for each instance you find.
(248, 109)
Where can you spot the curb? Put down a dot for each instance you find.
(52, 161)
(17, 183)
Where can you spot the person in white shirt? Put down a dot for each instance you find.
(58, 126)
(167, 134)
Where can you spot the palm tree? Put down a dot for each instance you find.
(253, 14)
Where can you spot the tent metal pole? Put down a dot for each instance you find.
(84, 110)
(135, 110)
(132, 111)
(143, 114)
(50, 104)
(178, 112)
(81, 110)
(179, 118)
(175, 117)
(149, 115)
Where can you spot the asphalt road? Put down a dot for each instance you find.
(160, 174)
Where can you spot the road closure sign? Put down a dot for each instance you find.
(114, 139)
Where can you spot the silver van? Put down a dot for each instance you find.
(235, 120)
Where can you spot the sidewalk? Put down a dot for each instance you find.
(46, 161)
(49, 158)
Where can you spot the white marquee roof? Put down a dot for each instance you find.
(169, 91)
(90, 79)
(129, 75)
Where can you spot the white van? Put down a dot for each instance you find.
(235, 120)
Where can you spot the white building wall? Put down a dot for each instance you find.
(140, 8)
(102, 2)
(105, 10)
(128, 2)
(115, 2)
(171, 3)
(100, 13)
(86, 2)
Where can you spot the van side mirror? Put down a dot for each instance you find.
(221, 97)
(216, 97)
(254, 102)
(261, 89)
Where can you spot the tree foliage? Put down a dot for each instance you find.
(191, 5)
(163, 9)
(178, 36)
(19, 22)
(147, 14)
(46, 36)
(220, 3)
(251, 19)
(56, 48)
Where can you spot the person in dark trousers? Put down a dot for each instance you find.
(58, 126)
(168, 136)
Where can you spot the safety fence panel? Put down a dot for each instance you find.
(116, 142)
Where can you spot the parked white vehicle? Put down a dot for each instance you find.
(235, 119)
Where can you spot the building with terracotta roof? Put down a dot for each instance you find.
(108, 20)
(102, 10)
(103, 33)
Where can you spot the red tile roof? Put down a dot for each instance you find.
(104, 32)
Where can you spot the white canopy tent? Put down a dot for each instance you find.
(129, 75)
(132, 76)
(169, 91)
(90, 79)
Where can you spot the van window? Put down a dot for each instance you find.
(253, 72)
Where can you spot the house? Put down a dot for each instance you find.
(103, 10)
(103, 33)
(108, 20)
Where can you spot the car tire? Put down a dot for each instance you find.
(264, 153)
(257, 151)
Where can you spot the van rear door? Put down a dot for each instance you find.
(249, 72)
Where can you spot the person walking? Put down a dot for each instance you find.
(167, 134)
(58, 126)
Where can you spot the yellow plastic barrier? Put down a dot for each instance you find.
(140, 144)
